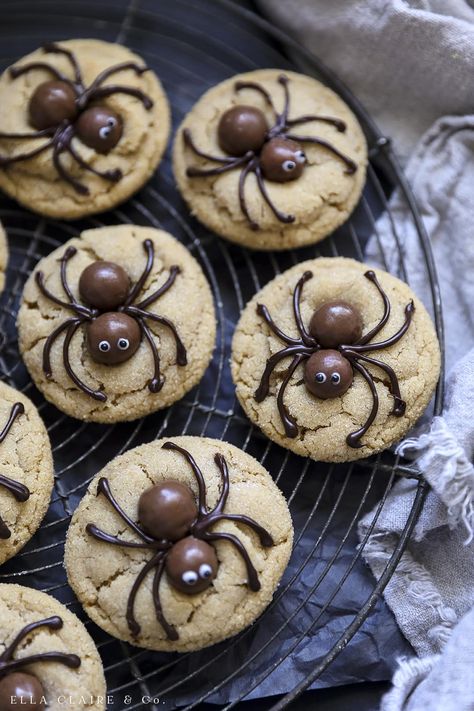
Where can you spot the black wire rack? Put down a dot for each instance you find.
(193, 44)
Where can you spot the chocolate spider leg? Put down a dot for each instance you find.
(69, 660)
(351, 165)
(409, 311)
(353, 439)
(95, 394)
(157, 381)
(100, 78)
(105, 91)
(54, 623)
(244, 173)
(338, 124)
(217, 514)
(171, 632)
(103, 487)
(188, 141)
(181, 354)
(16, 72)
(307, 339)
(174, 271)
(265, 314)
(264, 387)
(253, 580)
(58, 149)
(283, 117)
(57, 49)
(7, 160)
(33, 134)
(193, 172)
(133, 625)
(68, 254)
(239, 85)
(105, 537)
(17, 410)
(149, 248)
(399, 404)
(282, 216)
(371, 276)
(113, 175)
(47, 370)
(289, 422)
(202, 504)
(78, 309)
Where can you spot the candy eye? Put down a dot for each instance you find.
(104, 346)
(123, 344)
(320, 378)
(105, 131)
(335, 378)
(300, 156)
(205, 571)
(189, 577)
(289, 165)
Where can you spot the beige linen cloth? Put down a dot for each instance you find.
(411, 63)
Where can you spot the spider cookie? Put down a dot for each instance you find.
(3, 256)
(26, 471)
(83, 125)
(334, 360)
(47, 658)
(270, 160)
(116, 324)
(178, 544)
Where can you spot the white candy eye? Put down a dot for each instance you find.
(288, 165)
(104, 346)
(189, 577)
(123, 344)
(335, 378)
(320, 378)
(300, 156)
(104, 131)
(205, 571)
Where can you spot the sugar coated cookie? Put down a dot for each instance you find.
(178, 544)
(334, 360)
(83, 125)
(270, 160)
(47, 658)
(117, 323)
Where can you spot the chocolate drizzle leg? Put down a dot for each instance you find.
(16, 682)
(177, 530)
(332, 347)
(19, 491)
(62, 109)
(271, 153)
(115, 325)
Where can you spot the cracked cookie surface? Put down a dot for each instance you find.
(25, 457)
(188, 304)
(321, 199)
(102, 575)
(20, 606)
(35, 182)
(323, 425)
(3, 256)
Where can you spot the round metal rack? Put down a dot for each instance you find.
(328, 594)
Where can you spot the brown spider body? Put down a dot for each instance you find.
(272, 153)
(176, 529)
(115, 323)
(19, 491)
(332, 348)
(63, 108)
(26, 689)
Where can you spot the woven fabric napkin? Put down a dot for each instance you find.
(411, 62)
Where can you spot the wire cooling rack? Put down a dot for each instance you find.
(327, 593)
